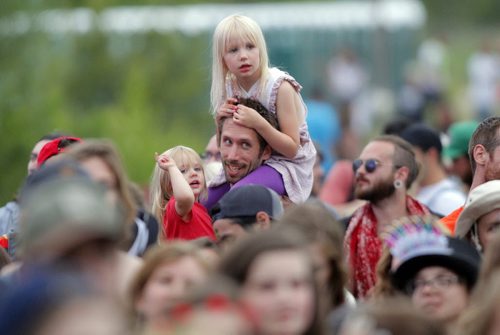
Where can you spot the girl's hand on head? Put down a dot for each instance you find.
(227, 109)
(164, 161)
(247, 117)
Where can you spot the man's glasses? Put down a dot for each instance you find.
(439, 282)
(370, 165)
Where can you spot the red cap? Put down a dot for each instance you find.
(55, 147)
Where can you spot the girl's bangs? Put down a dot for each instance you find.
(238, 32)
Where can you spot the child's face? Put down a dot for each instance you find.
(280, 291)
(168, 284)
(193, 174)
(242, 58)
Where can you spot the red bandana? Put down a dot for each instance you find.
(363, 246)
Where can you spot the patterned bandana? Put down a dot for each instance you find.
(363, 246)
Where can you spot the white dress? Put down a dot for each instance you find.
(297, 172)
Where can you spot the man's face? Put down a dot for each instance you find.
(227, 231)
(379, 184)
(32, 163)
(239, 147)
(493, 165)
(212, 153)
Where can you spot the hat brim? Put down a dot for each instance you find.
(473, 212)
(409, 269)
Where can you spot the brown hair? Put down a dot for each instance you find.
(479, 315)
(237, 262)
(403, 156)
(159, 255)
(317, 225)
(486, 135)
(259, 108)
(108, 153)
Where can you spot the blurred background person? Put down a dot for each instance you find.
(168, 273)
(275, 273)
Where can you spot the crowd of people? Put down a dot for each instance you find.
(252, 236)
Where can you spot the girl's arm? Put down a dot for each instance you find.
(289, 113)
(184, 196)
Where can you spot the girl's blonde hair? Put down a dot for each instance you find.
(234, 27)
(161, 185)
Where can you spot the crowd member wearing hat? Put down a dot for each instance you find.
(481, 215)
(68, 222)
(243, 209)
(55, 147)
(9, 214)
(456, 152)
(385, 170)
(485, 160)
(434, 189)
(436, 271)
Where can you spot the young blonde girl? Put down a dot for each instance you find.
(241, 69)
(178, 183)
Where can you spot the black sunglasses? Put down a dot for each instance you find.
(370, 165)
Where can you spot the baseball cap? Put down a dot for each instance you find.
(459, 134)
(247, 201)
(61, 213)
(482, 200)
(423, 137)
(55, 147)
(416, 243)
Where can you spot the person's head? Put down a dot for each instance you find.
(191, 166)
(427, 146)
(55, 302)
(33, 161)
(275, 273)
(324, 235)
(236, 39)
(436, 271)
(386, 163)
(455, 153)
(483, 148)
(54, 148)
(243, 209)
(483, 315)
(481, 215)
(168, 273)
(67, 219)
(211, 153)
(243, 149)
(101, 160)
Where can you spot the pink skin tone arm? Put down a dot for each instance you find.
(183, 193)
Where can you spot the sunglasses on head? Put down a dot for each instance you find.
(370, 165)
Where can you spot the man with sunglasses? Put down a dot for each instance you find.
(384, 171)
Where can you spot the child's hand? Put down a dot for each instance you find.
(227, 109)
(247, 117)
(164, 161)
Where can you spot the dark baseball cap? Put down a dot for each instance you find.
(422, 136)
(247, 201)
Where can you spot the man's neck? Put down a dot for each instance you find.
(390, 209)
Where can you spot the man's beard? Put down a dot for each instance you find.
(378, 192)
